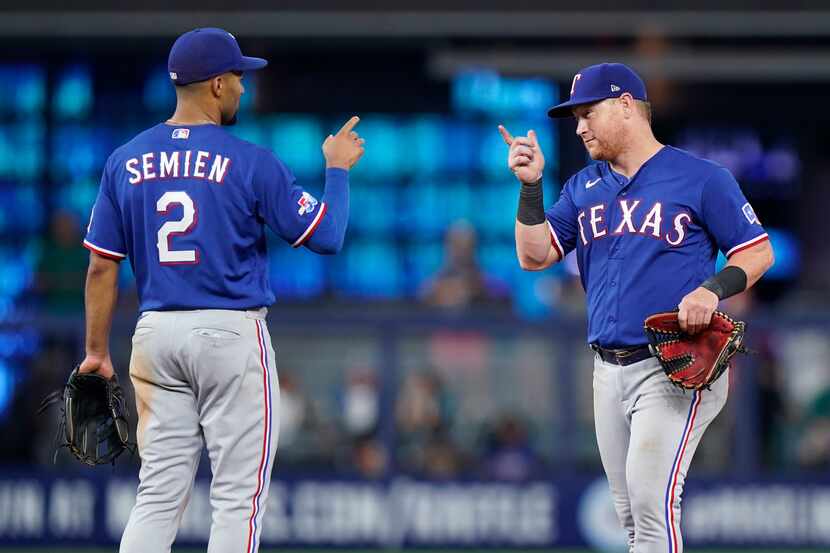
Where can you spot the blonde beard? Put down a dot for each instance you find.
(610, 152)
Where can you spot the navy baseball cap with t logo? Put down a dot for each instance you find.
(201, 54)
(598, 82)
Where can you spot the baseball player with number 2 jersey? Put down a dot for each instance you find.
(187, 203)
(647, 221)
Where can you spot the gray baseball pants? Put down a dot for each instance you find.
(647, 432)
(203, 378)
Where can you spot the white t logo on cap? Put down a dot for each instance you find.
(573, 85)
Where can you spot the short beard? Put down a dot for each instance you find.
(598, 154)
(228, 121)
(610, 151)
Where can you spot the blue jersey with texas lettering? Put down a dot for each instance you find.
(644, 243)
(188, 206)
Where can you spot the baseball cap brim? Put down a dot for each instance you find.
(250, 64)
(564, 109)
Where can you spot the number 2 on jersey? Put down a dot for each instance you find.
(170, 229)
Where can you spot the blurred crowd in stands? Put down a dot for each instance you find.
(444, 424)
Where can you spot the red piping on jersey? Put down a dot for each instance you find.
(312, 227)
(102, 253)
(755, 241)
(554, 241)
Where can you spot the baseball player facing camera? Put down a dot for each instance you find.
(188, 203)
(647, 221)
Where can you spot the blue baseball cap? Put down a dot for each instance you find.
(598, 82)
(201, 54)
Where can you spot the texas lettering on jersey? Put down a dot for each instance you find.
(644, 222)
(645, 242)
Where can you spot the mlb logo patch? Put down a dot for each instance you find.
(749, 213)
(307, 203)
(181, 133)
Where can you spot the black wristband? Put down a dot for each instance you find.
(531, 204)
(730, 281)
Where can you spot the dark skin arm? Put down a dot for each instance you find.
(100, 297)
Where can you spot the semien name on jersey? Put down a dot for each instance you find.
(181, 164)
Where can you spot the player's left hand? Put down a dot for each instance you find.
(344, 149)
(98, 364)
(696, 310)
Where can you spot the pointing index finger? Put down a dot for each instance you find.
(350, 124)
(508, 138)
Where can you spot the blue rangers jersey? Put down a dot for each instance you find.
(188, 206)
(644, 243)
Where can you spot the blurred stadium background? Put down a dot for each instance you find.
(433, 395)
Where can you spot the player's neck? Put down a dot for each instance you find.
(635, 156)
(187, 114)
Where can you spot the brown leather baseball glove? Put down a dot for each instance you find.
(694, 361)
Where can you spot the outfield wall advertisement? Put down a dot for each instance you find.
(93, 509)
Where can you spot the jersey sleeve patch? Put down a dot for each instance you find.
(312, 227)
(749, 213)
(727, 214)
(307, 203)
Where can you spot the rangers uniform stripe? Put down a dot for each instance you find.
(554, 240)
(103, 252)
(747, 244)
(671, 526)
(311, 228)
(262, 471)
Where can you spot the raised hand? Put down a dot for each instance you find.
(344, 149)
(525, 157)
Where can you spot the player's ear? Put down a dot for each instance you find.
(217, 86)
(627, 103)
